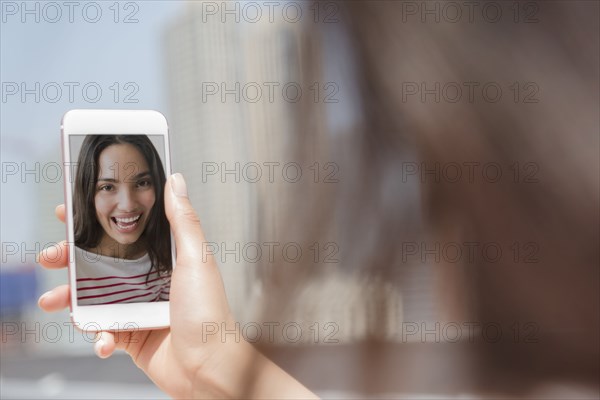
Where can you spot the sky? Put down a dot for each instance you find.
(124, 60)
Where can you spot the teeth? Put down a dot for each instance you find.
(127, 220)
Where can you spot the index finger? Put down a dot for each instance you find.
(60, 212)
(55, 256)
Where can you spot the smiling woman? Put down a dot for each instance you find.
(119, 220)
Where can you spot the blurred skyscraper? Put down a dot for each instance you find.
(215, 135)
(229, 115)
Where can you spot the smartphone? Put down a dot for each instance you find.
(121, 250)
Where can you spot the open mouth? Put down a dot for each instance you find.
(125, 225)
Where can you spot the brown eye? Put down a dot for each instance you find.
(144, 183)
(106, 188)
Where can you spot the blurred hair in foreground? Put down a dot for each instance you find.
(559, 213)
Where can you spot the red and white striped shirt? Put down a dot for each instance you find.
(108, 280)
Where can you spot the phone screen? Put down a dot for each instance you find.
(122, 246)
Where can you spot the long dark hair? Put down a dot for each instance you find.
(88, 231)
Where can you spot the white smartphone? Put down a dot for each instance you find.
(121, 250)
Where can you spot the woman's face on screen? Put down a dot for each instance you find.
(124, 193)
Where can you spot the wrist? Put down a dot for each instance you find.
(238, 370)
(219, 375)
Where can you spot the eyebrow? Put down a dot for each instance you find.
(135, 177)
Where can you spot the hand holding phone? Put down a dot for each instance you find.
(172, 356)
(185, 360)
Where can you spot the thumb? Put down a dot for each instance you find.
(185, 224)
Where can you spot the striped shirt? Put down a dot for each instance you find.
(108, 280)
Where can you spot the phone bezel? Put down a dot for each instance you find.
(113, 317)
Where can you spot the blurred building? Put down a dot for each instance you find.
(227, 119)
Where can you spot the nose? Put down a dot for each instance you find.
(127, 200)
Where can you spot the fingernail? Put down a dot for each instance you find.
(44, 296)
(98, 348)
(178, 185)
